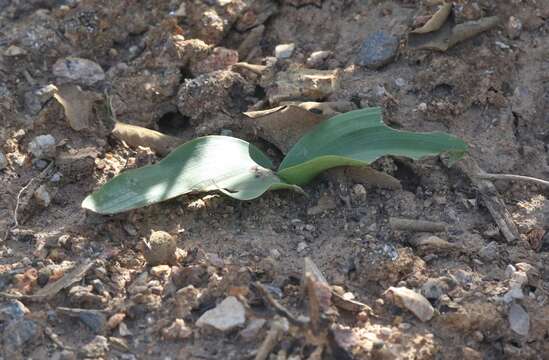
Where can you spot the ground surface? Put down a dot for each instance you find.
(155, 63)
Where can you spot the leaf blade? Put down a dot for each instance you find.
(208, 163)
(358, 138)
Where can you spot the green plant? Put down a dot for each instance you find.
(240, 170)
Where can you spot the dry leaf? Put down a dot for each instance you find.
(284, 125)
(436, 21)
(77, 105)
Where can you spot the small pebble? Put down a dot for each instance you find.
(78, 70)
(519, 320)
(378, 50)
(3, 161)
(301, 246)
(318, 58)
(284, 51)
(229, 314)
(513, 27)
(42, 196)
(42, 147)
(178, 330)
(14, 51)
(96, 348)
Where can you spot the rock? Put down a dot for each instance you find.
(489, 252)
(13, 310)
(325, 203)
(284, 51)
(299, 83)
(35, 100)
(17, 334)
(81, 71)
(471, 354)
(13, 51)
(519, 320)
(251, 331)
(42, 147)
(299, 3)
(513, 27)
(358, 193)
(177, 330)
(161, 271)
(301, 246)
(378, 50)
(98, 347)
(142, 97)
(115, 320)
(317, 58)
(467, 10)
(3, 161)
(229, 314)
(160, 249)
(411, 300)
(435, 288)
(220, 59)
(207, 95)
(42, 196)
(95, 320)
(187, 299)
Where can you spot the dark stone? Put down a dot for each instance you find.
(378, 50)
(19, 334)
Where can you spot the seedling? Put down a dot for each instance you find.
(241, 171)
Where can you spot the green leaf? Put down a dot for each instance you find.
(358, 138)
(223, 163)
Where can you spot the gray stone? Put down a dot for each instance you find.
(42, 196)
(13, 310)
(229, 314)
(98, 347)
(95, 320)
(519, 320)
(435, 288)
(318, 57)
(78, 70)
(378, 50)
(42, 146)
(3, 161)
(19, 333)
(284, 51)
(489, 252)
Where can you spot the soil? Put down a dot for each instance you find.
(168, 65)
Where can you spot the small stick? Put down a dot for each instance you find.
(491, 199)
(18, 202)
(281, 310)
(511, 177)
(417, 225)
(278, 328)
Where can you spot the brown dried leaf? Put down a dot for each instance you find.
(282, 126)
(436, 21)
(77, 105)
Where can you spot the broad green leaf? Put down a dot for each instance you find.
(223, 163)
(358, 138)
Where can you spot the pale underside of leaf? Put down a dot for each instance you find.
(223, 163)
(358, 138)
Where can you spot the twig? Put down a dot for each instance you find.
(491, 199)
(281, 310)
(511, 177)
(40, 176)
(417, 225)
(278, 328)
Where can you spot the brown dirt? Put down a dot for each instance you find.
(162, 72)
